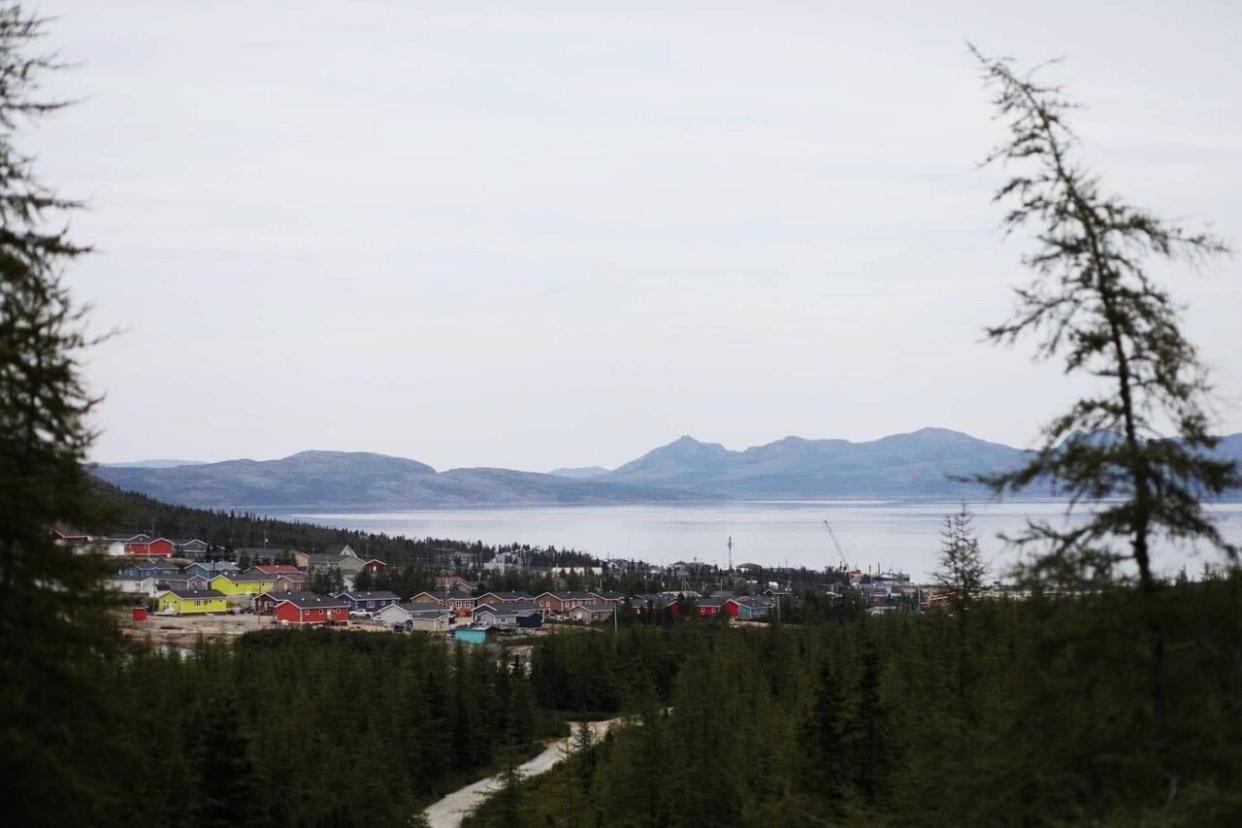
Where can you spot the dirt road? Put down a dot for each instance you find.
(449, 811)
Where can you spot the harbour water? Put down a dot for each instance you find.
(873, 534)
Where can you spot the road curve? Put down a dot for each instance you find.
(452, 809)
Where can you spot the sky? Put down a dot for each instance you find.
(533, 235)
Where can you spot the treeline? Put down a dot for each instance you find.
(309, 728)
(1029, 713)
(123, 511)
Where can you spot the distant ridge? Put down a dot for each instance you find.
(361, 480)
(153, 464)
(920, 464)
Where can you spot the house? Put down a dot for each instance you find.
(182, 581)
(559, 603)
(474, 635)
(243, 583)
(655, 603)
(67, 535)
(503, 562)
(309, 608)
(523, 614)
(143, 568)
(591, 613)
(193, 602)
(351, 565)
(316, 561)
(265, 602)
(369, 601)
(151, 548)
(747, 608)
(291, 582)
(211, 568)
(709, 607)
(415, 617)
(454, 582)
(117, 545)
(460, 603)
(502, 597)
(133, 584)
(192, 549)
(616, 599)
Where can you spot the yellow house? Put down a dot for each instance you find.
(246, 583)
(190, 601)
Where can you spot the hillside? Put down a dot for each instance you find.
(319, 479)
(921, 464)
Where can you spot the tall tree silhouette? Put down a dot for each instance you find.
(1139, 447)
(54, 626)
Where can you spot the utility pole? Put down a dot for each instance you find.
(730, 545)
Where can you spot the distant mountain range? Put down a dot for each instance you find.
(154, 464)
(921, 464)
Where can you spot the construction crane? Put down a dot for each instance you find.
(845, 565)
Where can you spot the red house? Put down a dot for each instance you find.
(64, 534)
(308, 608)
(711, 607)
(157, 548)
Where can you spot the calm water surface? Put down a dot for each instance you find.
(874, 534)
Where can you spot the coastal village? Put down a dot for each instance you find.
(188, 587)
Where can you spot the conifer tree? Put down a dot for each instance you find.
(223, 790)
(54, 624)
(1139, 447)
(960, 573)
(1144, 437)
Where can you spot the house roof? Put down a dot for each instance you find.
(609, 596)
(445, 595)
(506, 607)
(712, 602)
(309, 600)
(509, 596)
(277, 569)
(750, 601)
(247, 577)
(154, 566)
(596, 608)
(66, 531)
(570, 596)
(370, 596)
(419, 610)
(197, 593)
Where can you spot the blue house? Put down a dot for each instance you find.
(474, 635)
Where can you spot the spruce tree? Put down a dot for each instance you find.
(54, 609)
(223, 791)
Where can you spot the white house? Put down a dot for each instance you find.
(133, 584)
(417, 616)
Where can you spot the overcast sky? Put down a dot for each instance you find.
(562, 234)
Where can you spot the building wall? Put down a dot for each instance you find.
(192, 606)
